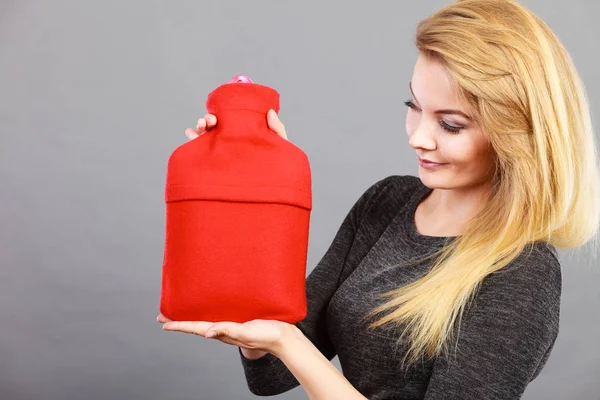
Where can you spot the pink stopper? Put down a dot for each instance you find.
(240, 79)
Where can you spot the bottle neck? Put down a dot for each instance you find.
(241, 108)
(232, 123)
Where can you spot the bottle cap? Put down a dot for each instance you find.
(240, 79)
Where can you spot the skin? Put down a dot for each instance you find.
(462, 186)
(209, 120)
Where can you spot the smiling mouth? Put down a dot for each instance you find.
(429, 164)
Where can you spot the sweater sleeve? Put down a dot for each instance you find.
(506, 339)
(268, 375)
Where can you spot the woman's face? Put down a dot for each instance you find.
(440, 133)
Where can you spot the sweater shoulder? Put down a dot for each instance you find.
(532, 281)
(397, 191)
(397, 188)
(402, 187)
(537, 262)
(387, 197)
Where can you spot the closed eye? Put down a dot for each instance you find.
(445, 126)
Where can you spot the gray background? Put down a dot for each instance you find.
(95, 96)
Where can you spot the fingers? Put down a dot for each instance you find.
(227, 332)
(162, 319)
(202, 126)
(206, 329)
(205, 123)
(223, 328)
(191, 134)
(195, 327)
(210, 120)
(275, 124)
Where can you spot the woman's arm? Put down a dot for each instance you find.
(267, 375)
(251, 354)
(320, 378)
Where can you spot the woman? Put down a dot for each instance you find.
(461, 259)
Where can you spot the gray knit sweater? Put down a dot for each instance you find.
(504, 340)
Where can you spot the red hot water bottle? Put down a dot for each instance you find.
(238, 201)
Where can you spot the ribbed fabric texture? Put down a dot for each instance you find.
(506, 335)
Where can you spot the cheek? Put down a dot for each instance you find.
(463, 151)
(457, 149)
(412, 122)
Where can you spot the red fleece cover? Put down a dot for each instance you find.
(238, 202)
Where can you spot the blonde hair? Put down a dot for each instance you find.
(518, 81)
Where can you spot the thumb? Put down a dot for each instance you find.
(224, 328)
(275, 124)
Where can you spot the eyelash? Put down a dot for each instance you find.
(445, 126)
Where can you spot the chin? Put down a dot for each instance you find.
(432, 177)
(435, 180)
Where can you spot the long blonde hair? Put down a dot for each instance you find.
(521, 86)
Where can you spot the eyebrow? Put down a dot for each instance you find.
(445, 111)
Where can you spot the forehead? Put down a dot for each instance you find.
(432, 86)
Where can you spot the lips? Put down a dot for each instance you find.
(429, 164)
(429, 161)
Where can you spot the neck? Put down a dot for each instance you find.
(236, 123)
(457, 206)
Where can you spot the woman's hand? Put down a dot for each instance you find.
(257, 335)
(209, 120)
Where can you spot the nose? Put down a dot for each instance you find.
(422, 137)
